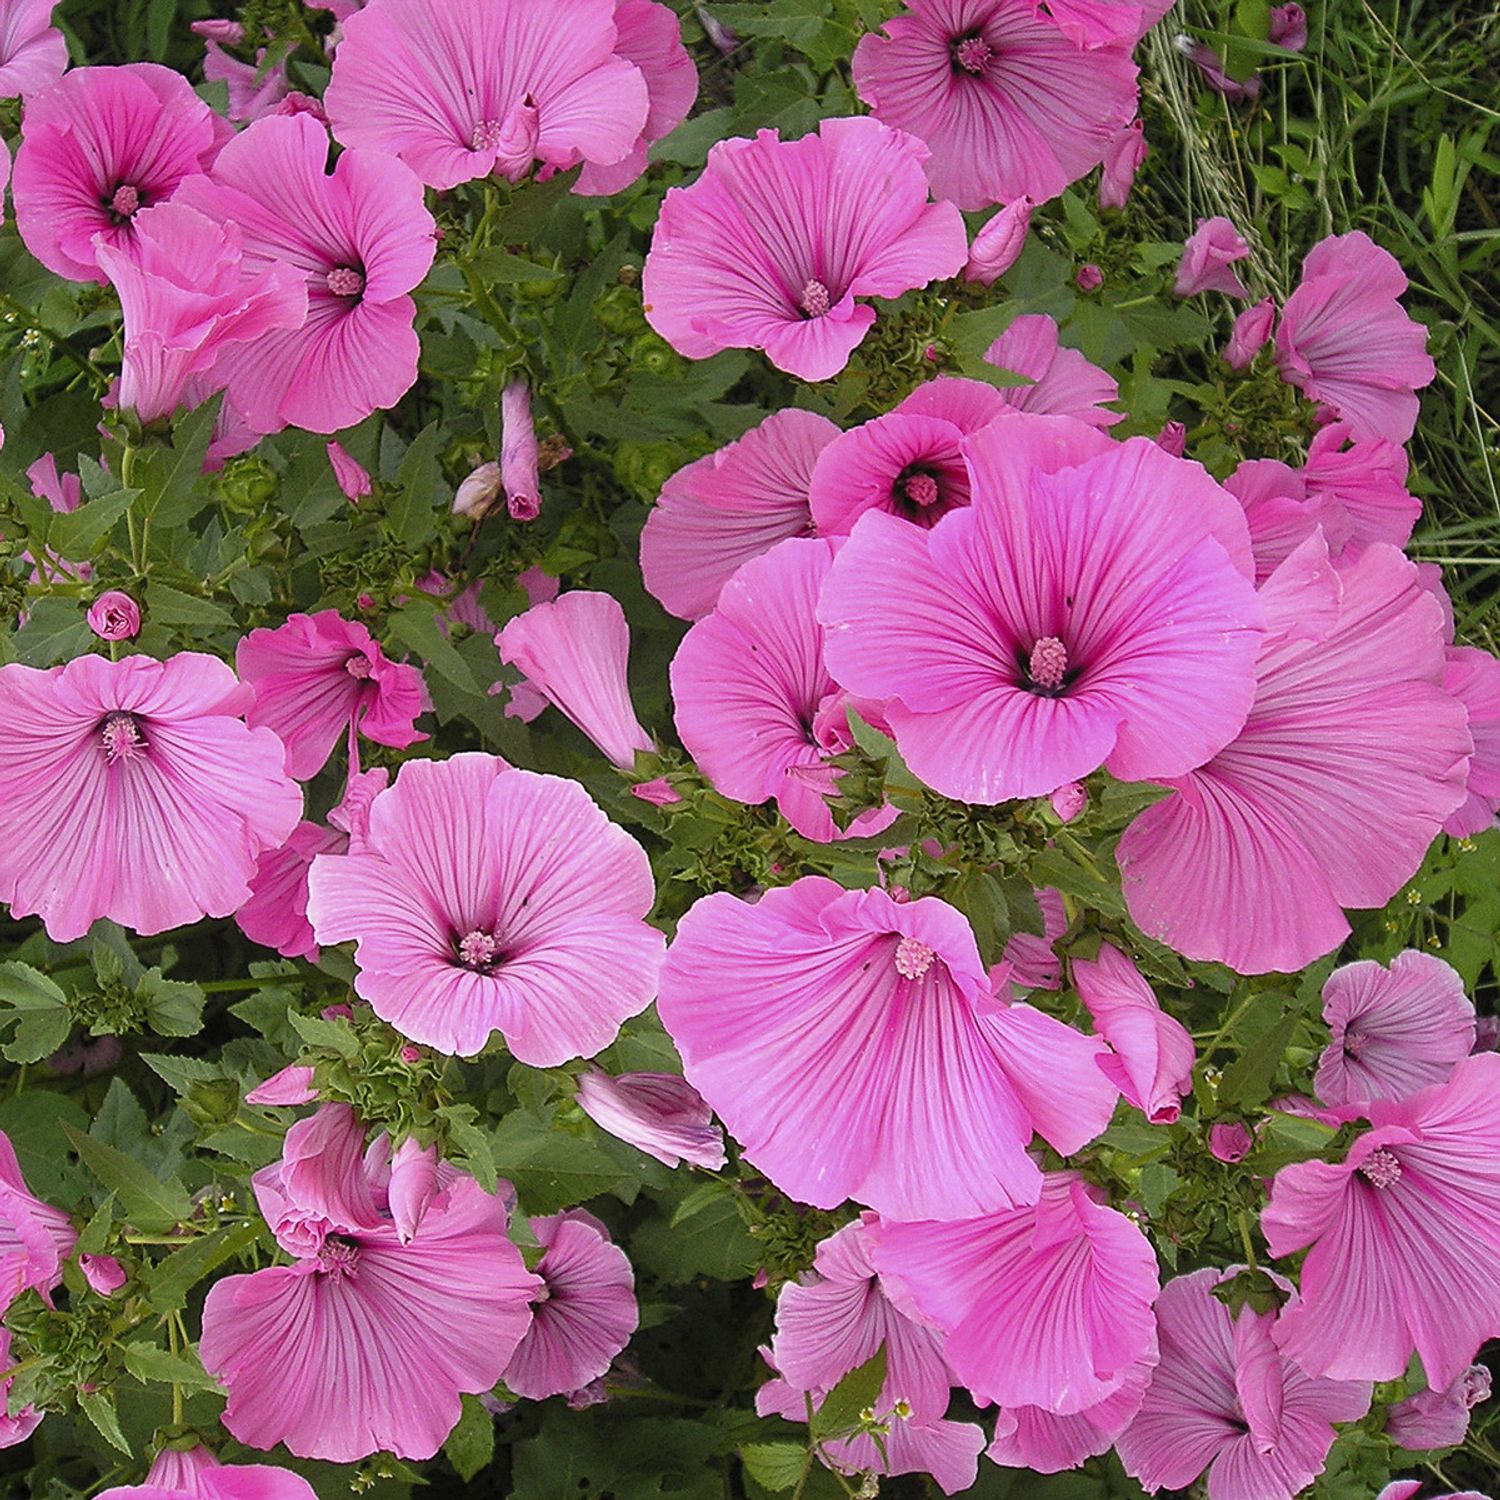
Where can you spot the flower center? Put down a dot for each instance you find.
(125, 202)
(345, 281)
(1354, 1044)
(358, 666)
(339, 1257)
(1048, 666)
(120, 734)
(486, 135)
(913, 958)
(922, 489)
(1381, 1169)
(815, 299)
(478, 951)
(972, 54)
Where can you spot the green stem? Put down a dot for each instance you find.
(28, 319)
(1245, 1239)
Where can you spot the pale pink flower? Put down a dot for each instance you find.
(254, 88)
(771, 246)
(519, 476)
(658, 1113)
(999, 243)
(1438, 1418)
(1063, 382)
(275, 915)
(1473, 677)
(35, 1238)
(15, 1427)
(1032, 1437)
(33, 52)
(489, 899)
(1252, 329)
(114, 616)
(1208, 260)
(1123, 157)
(352, 476)
(292, 1085)
(104, 1274)
(574, 651)
(195, 1474)
(110, 770)
(1008, 104)
(1095, 23)
(1230, 1141)
(852, 1045)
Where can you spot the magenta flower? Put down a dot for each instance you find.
(585, 1312)
(290, 1086)
(1172, 439)
(361, 238)
(1252, 329)
(755, 706)
(97, 147)
(1401, 1236)
(15, 1427)
(909, 462)
(275, 916)
(1351, 758)
(769, 248)
(186, 297)
(1346, 341)
(1123, 157)
(519, 476)
(1081, 612)
(1223, 1398)
(363, 1344)
(114, 616)
(319, 676)
(110, 769)
(254, 89)
(658, 1113)
(998, 245)
(352, 476)
(1063, 382)
(852, 1045)
(1438, 1418)
(35, 1238)
(1089, 278)
(1095, 23)
(1208, 260)
(529, 88)
(104, 1274)
(1392, 1031)
(33, 52)
(574, 651)
(1032, 1437)
(730, 506)
(1151, 1054)
(489, 899)
(1047, 1305)
(1408, 1489)
(1473, 677)
(1008, 104)
(1288, 27)
(1230, 1141)
(1031, 962)
(195, 1474)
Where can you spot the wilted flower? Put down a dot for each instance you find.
(1208, 258)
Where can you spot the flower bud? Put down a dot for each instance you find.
(999, 243)
(413, 1186)
(1251, 330)
(114, 616)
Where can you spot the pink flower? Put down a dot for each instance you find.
(648, 36)
(489, 899)
(773, 243)
(1230, 1141)
(658, 1113)
(363, 1343)
(104, 1274)
(1063, 382)
(1208, 259)
(1172, 439)
(33, 52)
(319, 675)
(1392, 1031)
(1032, 1437)
(1438, 1418)
(1151, 1054)
(1081, 612)
(1095, 23)
(352, 476)
(35, 1238)
(361, 238)
(254, 88)
(1007, 102)
(584, 1314)
(552, 89)
(14, 1427)
(909, 462)
(998, 245)
(1211, 66)
(1224, 1399)
(659, 792)
(229, 33)
(1047, 1305)
(1288, 27)
(195, 1474)
(1346, 341)
(110, 770)
(519, 477)
(853, 1047)
(1069, 800)
(477, 494)
(292, 1085)
(1473, 677)
(1408, 1489)
(574, 651)
(1351, 758)
(755, 706)
(1401, 1236)
(1252, 328)
(114, 616)
(186, 297)
(97, 147)
(1123, 157)
(1031, 962)
(729, 507)
(275, 916)
(1089, 278)
(62, 492)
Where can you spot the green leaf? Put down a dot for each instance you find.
(335, 1036)
(169, 1281)
(99, 1408)
(150, 1203)
(25, 988)
(34, 1122)
(149, 1362)
(417, 483)
(471, 1445)
(55, 630)
(473, 1142)
(181, 1073)
(37, 1035)
(776, 1466)
(1247, 1080)
(500, 267)
(172, 478)
(551, 1169)
(416, 626)
(858, 1392)
(74, 533)
(169, 606)
(173, 1007)
(713, 1242)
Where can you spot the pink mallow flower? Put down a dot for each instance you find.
(574, 651)
(1151, 1054)
(316, 676)
(1063, 382)
(1438, 1418)
(112, 769)
(195, 1474)
(97, 147)
(1288, 27)
(851, 1043)
(1208, 260)
(186, 296)
(584, 1313)
(1351, 758)
(1346, 341)
(1123, 158)
(998, 245)
(352, 476)
(33, 52)
(1083, 611)
(1401, 1236)
(114, 616)
(35, 1238)
(292, 1085)
(364, 1343)
(1008, 104)
(1230, 1141)
(1030, 961)
(1045, 1306)
(489, 899)
(1224, 1399)
(1473, 677)
(362, 240)
(275, 916)
(771, 246)
(254, 88)
(1095, 23)
(519, 475)
(15, 1427)
(658, 1113)
(553, 88)
(730, 506)
(755, 706)
(104, 1274)
(1252, 329)
(1392, 1031)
